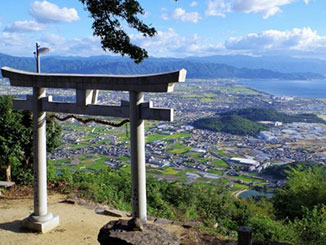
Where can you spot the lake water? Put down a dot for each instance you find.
(253, 193)
(298, 88)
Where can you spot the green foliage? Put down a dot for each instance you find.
(243, 121)
(266, 229)
(112, 187)
(53, 132)
(16, 139)
(164, 199)
(261, 114)
(304, 188)
(281, 172)
(213, 204)
(20, 175)
(11, 131)
(232, 124)
(311, 229)
(51, 172)
(107, 16)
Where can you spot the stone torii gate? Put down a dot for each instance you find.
(87, 87)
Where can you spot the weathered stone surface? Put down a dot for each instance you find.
(120, 232)
(111, 212)
(179, 223)
(163, 221)
(191, 224)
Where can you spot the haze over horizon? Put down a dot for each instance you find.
(291, 28)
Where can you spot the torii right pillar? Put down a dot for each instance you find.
(137, 153)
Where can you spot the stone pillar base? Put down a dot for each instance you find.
(41, 226)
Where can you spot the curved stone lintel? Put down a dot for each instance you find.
(160, 82)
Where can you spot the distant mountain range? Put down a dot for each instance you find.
(198, 67)
(275, 63)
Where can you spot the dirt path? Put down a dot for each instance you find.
(237, 193)
(78, 225)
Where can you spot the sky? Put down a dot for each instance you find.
(185, 28)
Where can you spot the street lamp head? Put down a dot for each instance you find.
(43, 50)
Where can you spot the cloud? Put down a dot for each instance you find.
(46, 12)
(53, 40)
(164, 14)
(218, 8)
(170, 44)
(299, 42)
(25, 26)
(84, 46)
(296, 41)
(14, 43)
(182, 15)
(193, 4)
(266, 7)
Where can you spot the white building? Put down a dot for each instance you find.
(245, 161)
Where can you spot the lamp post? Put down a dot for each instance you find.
(41, 220)
(38, 52)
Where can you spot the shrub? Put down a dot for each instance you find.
(266, 230)
(311, 229)
(304, 188)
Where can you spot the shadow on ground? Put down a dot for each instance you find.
(14, 226)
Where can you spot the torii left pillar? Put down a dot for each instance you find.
(41, 220)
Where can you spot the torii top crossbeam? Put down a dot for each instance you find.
(86, 103)
(161, 82)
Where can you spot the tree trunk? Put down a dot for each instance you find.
(8, 173)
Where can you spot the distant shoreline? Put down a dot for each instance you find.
(313, 89)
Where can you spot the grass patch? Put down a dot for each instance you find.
(219, 172)
(237, 187)
(99, 164)
(178, 149)
(155, 171)
(193, 154)
(240, 90)
(253, 174)
(220, 164)
(155, 137)
(221, 153)
(78, 146)
(260, 184)
(61, 161)
(170, 171)
(244, 178)
(181, 179)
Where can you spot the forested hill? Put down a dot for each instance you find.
(118, 65)
(261, 114)
(232, 124)
(246, 121)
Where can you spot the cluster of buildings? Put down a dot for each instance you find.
(282, 144)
